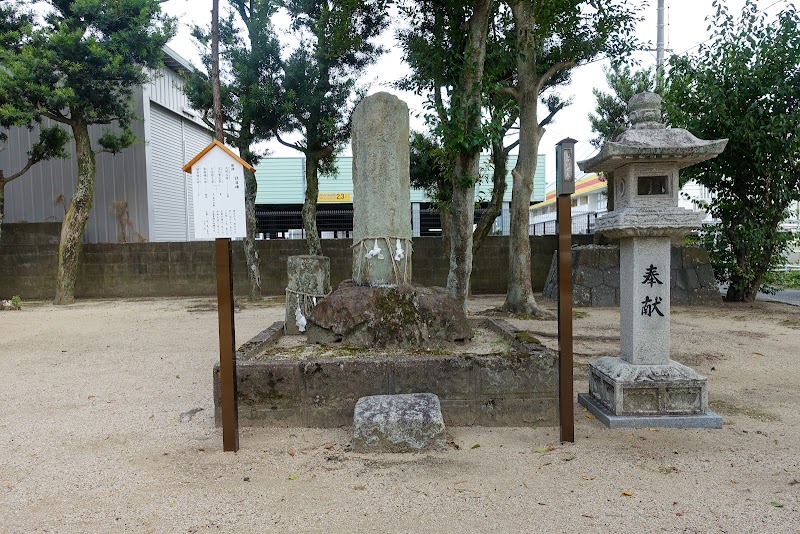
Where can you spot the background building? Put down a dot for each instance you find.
(281, 190)
(144, 181)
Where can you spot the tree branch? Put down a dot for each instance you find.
(510, 91)
(288, 144)
(58, 117)
(6, 179)
(545, 121)
(552, 72)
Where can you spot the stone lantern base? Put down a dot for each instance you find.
(622, 394)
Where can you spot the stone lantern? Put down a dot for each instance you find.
(643, 386)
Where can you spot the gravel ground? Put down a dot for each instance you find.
(107, 426)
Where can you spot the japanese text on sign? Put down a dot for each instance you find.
(217, 183)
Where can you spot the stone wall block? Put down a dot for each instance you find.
(588, 276)
(604, 296)
(695, 257)
(608, 257)
(676, 257)
(611, 277)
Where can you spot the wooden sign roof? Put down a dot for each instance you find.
(243, 163)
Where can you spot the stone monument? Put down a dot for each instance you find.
(309, 281)
(643, 386)
(382, 189)
(380, 307)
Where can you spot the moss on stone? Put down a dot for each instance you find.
(526, 337)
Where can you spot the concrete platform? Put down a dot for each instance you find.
(602, 414)
(517, 388)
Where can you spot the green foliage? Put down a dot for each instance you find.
(436, 45)
(429, 169)
(744, 84)
(251, 78)
(81, 62)
(790, 279)
(335, 46)
(611, 111)
(16, 301)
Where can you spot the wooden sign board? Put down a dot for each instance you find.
(217, 176)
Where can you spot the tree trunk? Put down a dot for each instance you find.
(500, 158)
(250, 252)
(466, 164)
(462, 215)
(74, 224)
(2, 203)
(310, 206)
(519, 295)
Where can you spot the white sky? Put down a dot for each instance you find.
(685, 28)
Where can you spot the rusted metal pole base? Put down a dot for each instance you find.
(565, 389)
(227, 348)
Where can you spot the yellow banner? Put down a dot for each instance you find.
(334, 197)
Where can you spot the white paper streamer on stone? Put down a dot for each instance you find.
(300, 319)
(376, 250)
(314, 300)
(399, 253)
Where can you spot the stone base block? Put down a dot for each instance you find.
(602, 414)
(628, 389)
(398, 423)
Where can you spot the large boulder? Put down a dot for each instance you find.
(361, 316)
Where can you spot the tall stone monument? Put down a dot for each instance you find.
(380, 307)
(382, 189)
(643, 386)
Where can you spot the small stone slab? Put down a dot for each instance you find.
(398, 423)
(602, 414)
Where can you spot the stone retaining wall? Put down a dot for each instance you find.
(595, 277)
(516, 389)
(29, 259)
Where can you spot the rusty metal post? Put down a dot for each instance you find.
(227, 347)
(565, 390)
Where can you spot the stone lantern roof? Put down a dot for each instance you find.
(649, 141)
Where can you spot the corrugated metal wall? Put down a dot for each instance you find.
(120, 177)
(123, 177)
(280, 181)
(174, 140)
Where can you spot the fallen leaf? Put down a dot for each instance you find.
(627, 494)
(653, 429)
(588, 477)
(587, 515)
(476, 446)
(91, 397)
(173, 504)
(543, 450)
(568, 457)
(794, 481)
(328, 446)
(776, 504)
(359, 488)
(757, 354)
(679, 514)
(589, 416)
(246, 479)
(201, 449)
(293, 476)
(291, 452)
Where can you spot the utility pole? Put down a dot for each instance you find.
(215, 91)
(660, 47)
